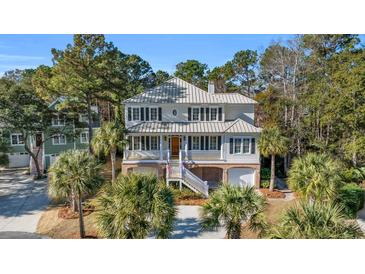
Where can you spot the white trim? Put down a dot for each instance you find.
(59, 144)
(58, 119)
(216, 116)
(150, 118)
(18, 142)
(87, 137)
(192, 143)
(192, 114)
(241, 145)
(139, 113)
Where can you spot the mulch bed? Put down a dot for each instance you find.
(67, 213)
(197, 202)
(272, 194)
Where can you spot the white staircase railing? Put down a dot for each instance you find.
(193, 181)
(175, 170)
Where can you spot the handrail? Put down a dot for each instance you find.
(195, 181)
(187, 171)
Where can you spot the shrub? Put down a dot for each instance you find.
(265, 183)
(351, 197)
(265, 173)
(4, 160)
(185, 194)
(353, 175)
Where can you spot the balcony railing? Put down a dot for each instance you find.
(166, 155)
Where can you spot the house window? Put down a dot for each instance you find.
(196, 112)
(245, 145)
(58, 120)
(213, 114)
(196, 143)
(153, 114)
(59, 139)
(84, 137)
(237, 145)
(213, 143)
(136, 143)
(84, 118)
(135, 114)
(154, 143)
(17, 139)
(241, 145)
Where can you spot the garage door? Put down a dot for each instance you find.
(145, 170)
(241, 176)
(19, 159)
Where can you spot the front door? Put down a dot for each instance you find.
(175, 146)
(38, 139)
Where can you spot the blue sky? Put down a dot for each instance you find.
(161, 51)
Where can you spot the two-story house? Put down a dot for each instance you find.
(195, 137)
(72, 133)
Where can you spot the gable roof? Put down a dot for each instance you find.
(178, 91)
(237, 126)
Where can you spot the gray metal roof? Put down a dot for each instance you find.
(178, 91)
(237, 126)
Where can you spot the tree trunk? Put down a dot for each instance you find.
(81, 219)
(90, 127)
(113, 157)
(272, 177)
(35, 159)
(74, 203)
(235, 232)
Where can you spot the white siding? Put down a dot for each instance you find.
(242, 158)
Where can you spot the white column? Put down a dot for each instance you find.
(125, 149)
(186, 147)
(222, 146)
(161, 148)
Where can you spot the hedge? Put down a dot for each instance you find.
(4, 159)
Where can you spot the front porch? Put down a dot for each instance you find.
(178, 147)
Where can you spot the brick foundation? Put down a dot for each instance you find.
(161, 170)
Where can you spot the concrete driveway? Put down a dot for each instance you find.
(187, 225)
(22, 202)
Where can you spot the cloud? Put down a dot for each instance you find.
(10, 57)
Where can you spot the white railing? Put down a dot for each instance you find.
(194, 181)
(168, 155)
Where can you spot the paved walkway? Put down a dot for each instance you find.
(22, 202)
(187, 225)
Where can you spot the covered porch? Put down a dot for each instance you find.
(174, 147)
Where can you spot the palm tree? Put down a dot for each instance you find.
(315, 176)
(107, 140)
(74, 174)
(232, 206)
(316, 221)
(272, 143)
(134, 207)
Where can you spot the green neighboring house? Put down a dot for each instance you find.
(72, 133)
